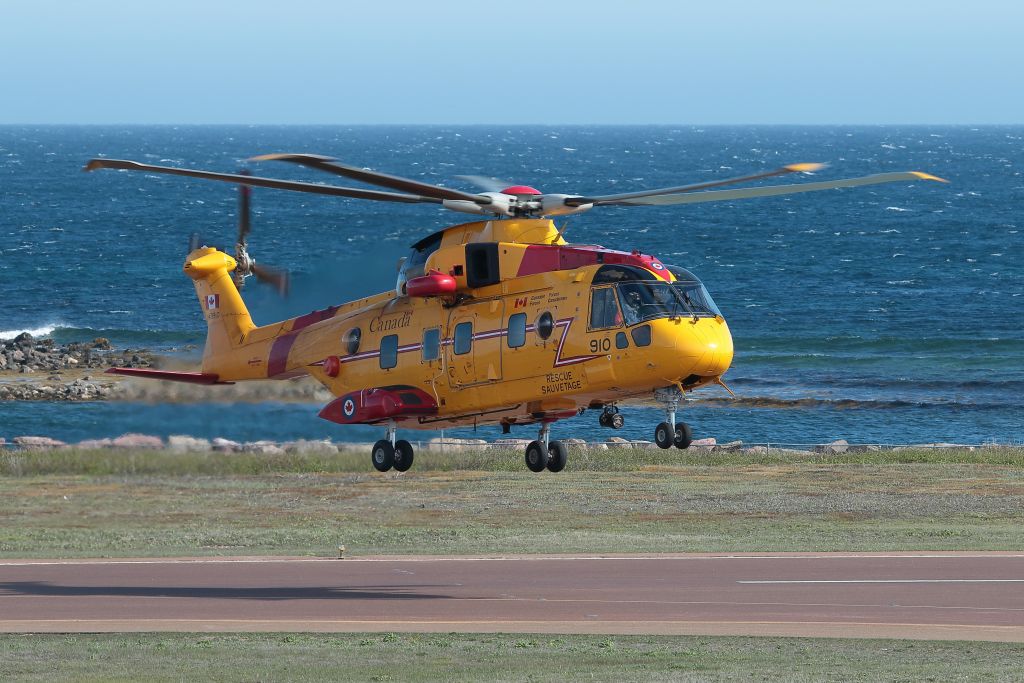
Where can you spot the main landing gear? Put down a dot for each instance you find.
(389, 452)
(671, 433)
(545, 454)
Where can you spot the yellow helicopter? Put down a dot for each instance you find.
(498, 321)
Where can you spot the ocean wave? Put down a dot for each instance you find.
(835, 404)
(65, 334)
(37, 332)
(128, 336)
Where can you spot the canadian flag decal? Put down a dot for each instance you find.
(212, 302)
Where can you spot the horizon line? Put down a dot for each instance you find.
(535, 124)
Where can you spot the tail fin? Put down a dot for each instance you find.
(227, 318)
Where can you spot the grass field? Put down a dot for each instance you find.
(110, 503)
(455, 657)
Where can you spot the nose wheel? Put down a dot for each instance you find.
(545, 454)
(671, 433)
(392, 453)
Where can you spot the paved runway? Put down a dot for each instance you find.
(978, 596)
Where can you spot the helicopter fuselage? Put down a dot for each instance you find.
(535, 330)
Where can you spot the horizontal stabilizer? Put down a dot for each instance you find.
(189, 377)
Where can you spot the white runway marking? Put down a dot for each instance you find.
(890, 581)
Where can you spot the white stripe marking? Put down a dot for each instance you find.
(893, 581)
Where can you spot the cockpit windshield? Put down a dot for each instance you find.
(648, 299)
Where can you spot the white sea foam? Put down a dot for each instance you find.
(37, 332)
(895, 208)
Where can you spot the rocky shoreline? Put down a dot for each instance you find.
(34, 369)
(41, 370)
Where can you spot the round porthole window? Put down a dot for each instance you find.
(545, 325)
(350, 340)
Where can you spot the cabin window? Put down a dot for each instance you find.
(545, 325)
(516, 330)
(431, 344)
(463, 338)
(389, 351)
(621, 342)
(350, 340)
(641, 335)
(604, 309)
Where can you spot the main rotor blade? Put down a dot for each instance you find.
(256, 181)
(616, 198)
(330, 165)
(774, 190)
(244, 209)
(485, 183)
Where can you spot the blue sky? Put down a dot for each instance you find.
(313, 61)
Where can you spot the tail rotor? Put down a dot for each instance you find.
(279, 278)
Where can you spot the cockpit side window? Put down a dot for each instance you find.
(416, 261)
(604, 309)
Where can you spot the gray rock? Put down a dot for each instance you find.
(143, 441)
(94, 444)
(456, 445)
(263, 448)
(178, 443)
(226, 445)
(304, 446)
(730, 446)
(38, 442)
(834, 448)
(617, 442)
(510, 443)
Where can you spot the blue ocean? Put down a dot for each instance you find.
(888, 314)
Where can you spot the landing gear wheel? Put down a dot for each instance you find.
(536, 458)
(558, 456)
(383, 455)
(403, 455)
(684, 435)
(611, 417)
(664, 435)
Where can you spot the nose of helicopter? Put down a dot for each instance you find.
(706, 348)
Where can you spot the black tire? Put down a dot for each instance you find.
(664, 435)
(383, 455)
(684, 435)
(605, 420)
(558, 455)
(536, 458)
(618, 421)
(403, 455)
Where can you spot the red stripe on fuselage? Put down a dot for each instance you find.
(313, 317)
(541, 258)
(278, 361)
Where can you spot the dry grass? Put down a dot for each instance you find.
(469, 657)
(67, 503)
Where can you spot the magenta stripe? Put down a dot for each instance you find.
(278, 361)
